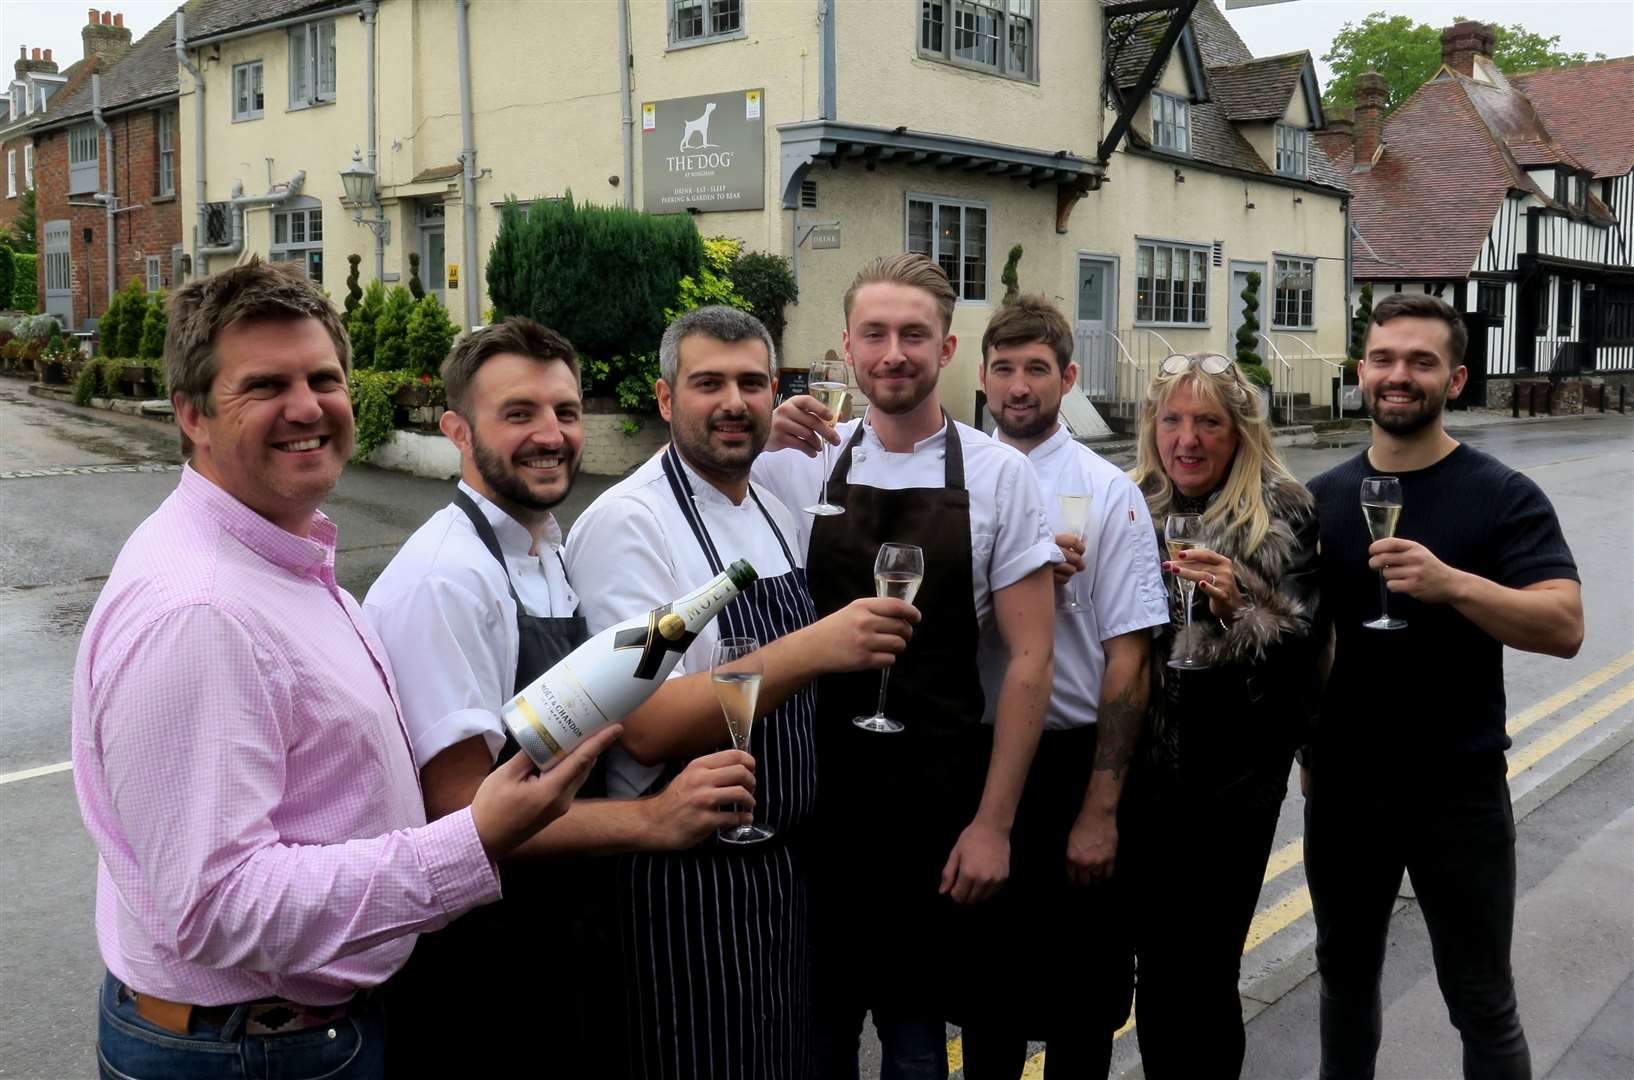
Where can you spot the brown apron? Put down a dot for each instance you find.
(891, 807)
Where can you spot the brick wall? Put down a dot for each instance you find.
(153, 228)
(608, 451)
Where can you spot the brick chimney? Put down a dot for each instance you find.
(25, 63)
(1372, 92)
(105, 36)
(1462, 42)
(1341, 121)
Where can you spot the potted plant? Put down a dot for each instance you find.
(1259, 377)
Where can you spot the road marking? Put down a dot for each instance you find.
(1541, 748)
(1554, 702)
(1285, 858)
(29, 774)
(1279, 916)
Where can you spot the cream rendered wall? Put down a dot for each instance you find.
(873, 210)
(317, 139)
(884, 81)
(1144, 200)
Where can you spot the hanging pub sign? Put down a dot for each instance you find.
(703, 154)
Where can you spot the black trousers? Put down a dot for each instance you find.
(1453, 829)
(1196, 861)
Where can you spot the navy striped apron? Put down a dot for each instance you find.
(715, 940)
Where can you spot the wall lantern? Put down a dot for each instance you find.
(357, 180)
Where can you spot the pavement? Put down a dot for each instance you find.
(74, 482)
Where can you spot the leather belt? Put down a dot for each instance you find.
(273, 1016)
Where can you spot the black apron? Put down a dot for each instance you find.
(892, 806)
(715, 941)
(450, 1002)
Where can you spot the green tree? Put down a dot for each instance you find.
(1248, 340)
(354, 292)
(8, 272)
(132, 315)
(360, 325)
(154, 324)
(767, 283)
(1359, 321)
(24, 286)
(1408, 54)
(391, 330)
(430, 332)
(108, 327)
(23, 225)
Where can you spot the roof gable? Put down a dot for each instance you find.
(1259, 89)
(1585, 108)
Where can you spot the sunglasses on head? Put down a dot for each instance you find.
(1212, 364)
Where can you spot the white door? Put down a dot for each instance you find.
(1097, 314)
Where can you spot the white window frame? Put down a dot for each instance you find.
(155, 273)
(11, 174)
(1307, 305)
(310, 44)
(28, 167)
(1196, 255)
(166, 125)
(299, 223)
(711, 15)
(1171, 123)
(1293, 151)
(84, 172)
(245, 91)
(1010, 25)
(966, 286)
(19, 101)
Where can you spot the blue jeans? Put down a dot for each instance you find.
(909, 1049)
(130, 1048)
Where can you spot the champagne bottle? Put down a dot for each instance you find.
(611, 675)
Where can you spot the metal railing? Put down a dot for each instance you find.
(1332, 369)
(1281, 371)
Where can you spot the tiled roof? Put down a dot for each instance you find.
(1427, 204)
(1258, 89)
(148, 70)
(1215, 139)
(1586, 109)
(1513, 121)
(205, 17)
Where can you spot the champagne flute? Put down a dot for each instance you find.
(828, 385)
(898, 570)
(1075, 516)
(1381, 506)
(1180, 533)
(735, 670)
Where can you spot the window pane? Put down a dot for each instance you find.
(689, 19)
(975, 254)
(1161, 310)
(314, 266)
(314, 226)
(1143, 282)
(726, 15)
(1020, 59)
(948, 241)
(325, 35)
(1199, 287)
(298, 93)
(257, 98)
(280, 228)
(930, 26)
(297, 227)
(920, 239)
(976, 33)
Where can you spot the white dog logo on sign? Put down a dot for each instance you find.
(700, 128)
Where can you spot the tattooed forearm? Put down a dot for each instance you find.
(1118, 729)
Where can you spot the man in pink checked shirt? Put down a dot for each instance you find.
(239, 755)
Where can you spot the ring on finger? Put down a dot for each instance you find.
(1213, 582)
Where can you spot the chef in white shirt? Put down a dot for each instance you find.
(475, 606)
(1058, 941)
(915, 826)
(716, 949)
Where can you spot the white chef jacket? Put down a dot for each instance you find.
(1010, 530)
(633, 550)
(449, 623)
(1121, 584)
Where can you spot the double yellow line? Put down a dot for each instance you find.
(1297, 904)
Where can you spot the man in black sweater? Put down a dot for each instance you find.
(1406, 769)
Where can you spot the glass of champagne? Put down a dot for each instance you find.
(1180, 533)
(1075, 516)
(1381, 506)
(735, 671)
(828, 385)
(898, 570)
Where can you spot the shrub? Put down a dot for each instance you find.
(767, 283)
(154, 323)
(8, 271)
(391, 330)
(1258, 374)
(372, 406)
(354, 292)
(430, 332)
(360, 326)
(88, 381)
(1248, 341)
(131, 317)
(107, 327)
(38, 328)
(25, 294)
(559, 265)
(415, 287)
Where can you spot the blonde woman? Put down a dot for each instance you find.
(1206, 792)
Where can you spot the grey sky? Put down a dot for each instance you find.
(1589, 26)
